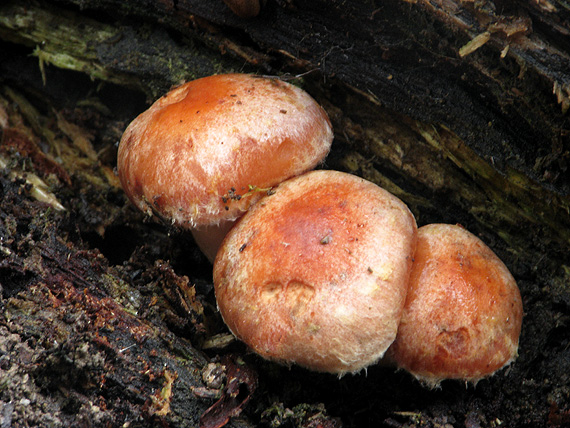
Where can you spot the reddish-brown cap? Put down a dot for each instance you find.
(201, 154)
(316, 274)
(463, 312)
(245, 8)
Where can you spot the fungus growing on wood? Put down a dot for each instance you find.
(463, 313)
(201, 155)
(316, 274)
(245, 8)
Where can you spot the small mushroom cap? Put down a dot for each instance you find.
(463, 313)
(245, 8)
(202, 153)
(316, 274)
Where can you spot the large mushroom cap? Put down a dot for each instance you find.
(317, 273)
(201, 153)
(463, 312)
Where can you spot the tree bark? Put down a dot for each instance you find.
(458, 108)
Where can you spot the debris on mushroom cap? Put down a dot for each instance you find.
(463, 313)
(317, 273)
(210, 148)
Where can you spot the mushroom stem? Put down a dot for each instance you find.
(209, 238)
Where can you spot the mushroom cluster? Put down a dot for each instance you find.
(318, 268)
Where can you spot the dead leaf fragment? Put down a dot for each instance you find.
(241, 383)
(474, 44)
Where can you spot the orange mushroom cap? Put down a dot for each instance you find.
(201, 154)
(316, 274)
(245, 8)
(463, 313)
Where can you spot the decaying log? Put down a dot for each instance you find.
(460, 108)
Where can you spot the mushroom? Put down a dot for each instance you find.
(201, 155)
(316, 274)
(245, 8)
(463, 313)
